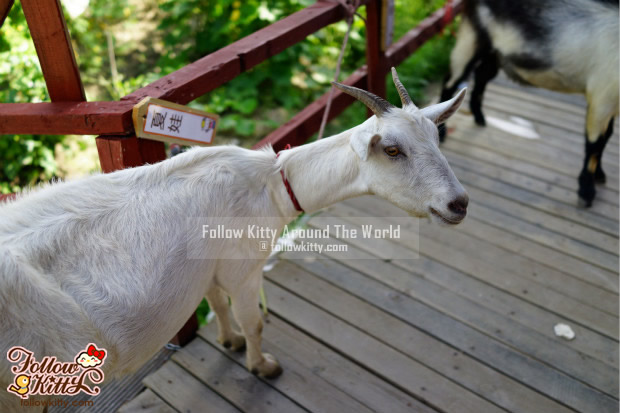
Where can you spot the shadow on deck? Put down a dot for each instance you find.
(466, 327)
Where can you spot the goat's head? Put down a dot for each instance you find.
(400, 157)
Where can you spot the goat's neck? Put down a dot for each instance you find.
(323, 172)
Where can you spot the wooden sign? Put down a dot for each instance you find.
(169, 122)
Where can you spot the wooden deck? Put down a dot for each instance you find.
(467, 327)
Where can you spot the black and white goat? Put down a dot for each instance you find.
(564, 45)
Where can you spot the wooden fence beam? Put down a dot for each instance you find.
(114, 118)
(5, 8)
(64, 118)
(307, 122)
(51, 39)
(219, 67)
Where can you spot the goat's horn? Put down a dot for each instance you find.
(378, 105)
(402, 92)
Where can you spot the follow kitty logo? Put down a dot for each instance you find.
(52, 377)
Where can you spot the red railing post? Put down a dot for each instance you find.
(51, 39)
(375, 54)
(5, 8)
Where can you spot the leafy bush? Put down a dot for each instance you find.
(152, 38)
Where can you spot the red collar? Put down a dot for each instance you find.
(291, 194)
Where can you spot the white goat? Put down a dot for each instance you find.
(108, 259)
(564, 45)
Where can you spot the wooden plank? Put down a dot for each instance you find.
(553, 107)
(420, 34)
(462, 146)
(456, 334)
(568, 141)
(531, 229)
(601, 348)
(543, 114)
(5, 8)
(64, 118)
(579, 224)
(528, 94)
(504, 295)
(374, 355)
(507, 146)
(217, 68)
(232, 381)
(146, 402)
(48, 29)
(185, 393)
(554, 100)
(606, 213)
(485, 249)
(304, 359)
(553, 258)
(447, 360)
(307, 122)
(521, 149)
(296, 380)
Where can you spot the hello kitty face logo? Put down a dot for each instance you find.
(91, 357)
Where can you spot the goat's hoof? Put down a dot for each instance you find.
(268, 367)
(236, 343)
(584, 202)
(480, 120)
(587, 191)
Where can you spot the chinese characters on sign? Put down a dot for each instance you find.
(170, 122)
(159, 120)
(175, 123)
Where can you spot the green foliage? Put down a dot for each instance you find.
(25, 159)
(151, 38)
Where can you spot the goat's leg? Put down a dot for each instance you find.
(598, 131)
(247, 313)
(485, 72)
(462, 60)
(599, 175)
(218, 301)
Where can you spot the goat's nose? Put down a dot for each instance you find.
(459, 205)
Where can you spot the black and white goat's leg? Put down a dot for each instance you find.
(599, 175)
(485, 71)
(462, 60)
(597, 136)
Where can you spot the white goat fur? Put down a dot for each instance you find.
(104, 259)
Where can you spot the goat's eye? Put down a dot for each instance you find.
(392, 151)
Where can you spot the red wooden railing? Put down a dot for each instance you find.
(118, 147)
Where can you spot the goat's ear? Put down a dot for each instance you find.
(362, 143)
(440, 112)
